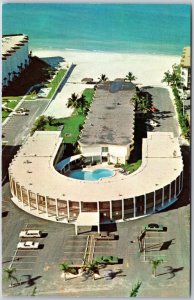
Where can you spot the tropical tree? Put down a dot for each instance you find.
(155, 263)
(174, 78)
(103, 78)
(73, 101)
(10, 276)
(140, 102)
(14, 74)
(66, 268)
(135, 289)
(5, 80)
(9, 74)
(34, 291)
(130, 77)
(92, 269)
(81, 102)
(50, 120)
(167, 77)
(39, 124)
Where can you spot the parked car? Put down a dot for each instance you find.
(152, 123)
(28, 245)
(153, 227)
(106, 259)
(104, 235)
(154, 109)
(30, 233)
(22, 109)
(20, 113)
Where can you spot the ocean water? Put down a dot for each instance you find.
(139, 28)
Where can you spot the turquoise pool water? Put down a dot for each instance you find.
(92, 176)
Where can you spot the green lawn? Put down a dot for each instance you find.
(11, 104)
(71, 124)
(55, 82)
(17, 98)
(53, 85)
(132, 167)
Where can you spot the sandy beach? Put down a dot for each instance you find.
(148, 69)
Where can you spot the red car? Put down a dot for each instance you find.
(153, 109)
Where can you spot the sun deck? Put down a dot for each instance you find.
(32, 168)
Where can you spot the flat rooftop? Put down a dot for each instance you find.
(33, 169)
(111, 116)
(186, 57)
(11, 41)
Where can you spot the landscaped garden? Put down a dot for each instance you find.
(9, 103)
(71, 125)
(175, 81)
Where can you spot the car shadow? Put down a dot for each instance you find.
(41, 246)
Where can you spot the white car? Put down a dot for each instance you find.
(152, 123)
(20, 113)
(28, 245)
(30, 233)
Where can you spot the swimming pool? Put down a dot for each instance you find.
(90, 175)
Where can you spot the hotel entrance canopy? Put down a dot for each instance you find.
(88, 219)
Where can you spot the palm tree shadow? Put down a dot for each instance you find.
(30, 281)
(172, 271)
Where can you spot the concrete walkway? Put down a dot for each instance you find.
(58, 107)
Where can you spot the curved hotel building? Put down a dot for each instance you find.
(41, 182)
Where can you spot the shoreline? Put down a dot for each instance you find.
(148, 69)
(41, 51)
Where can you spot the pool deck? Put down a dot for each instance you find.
(161, 164)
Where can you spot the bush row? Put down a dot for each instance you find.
(181, 117)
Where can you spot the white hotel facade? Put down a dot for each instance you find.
(14, 56)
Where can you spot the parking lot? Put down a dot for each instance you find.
(166, 116)
(59, 244)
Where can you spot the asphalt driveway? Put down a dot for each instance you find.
(166, 116)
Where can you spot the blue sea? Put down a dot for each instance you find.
(139, 28)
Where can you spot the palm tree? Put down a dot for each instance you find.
(140, 102)
(103, 78)
(14, 74)
(65, 268)
(9, 74)
(9, 275)
(73, 101)
(92, 269)
(130, 77)
(34, 291)
(167, 77)
(5, 80)
(81, 102)
(155, 263)
(50, 120)
(135, 289)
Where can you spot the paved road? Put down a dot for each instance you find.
(166, 115)
(18, 127)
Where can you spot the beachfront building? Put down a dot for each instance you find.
(186, 67)
(14, 56)
(41, 184)
(109, 128)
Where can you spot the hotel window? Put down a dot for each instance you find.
(117, 209)
(104, 149)
(128, 208)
